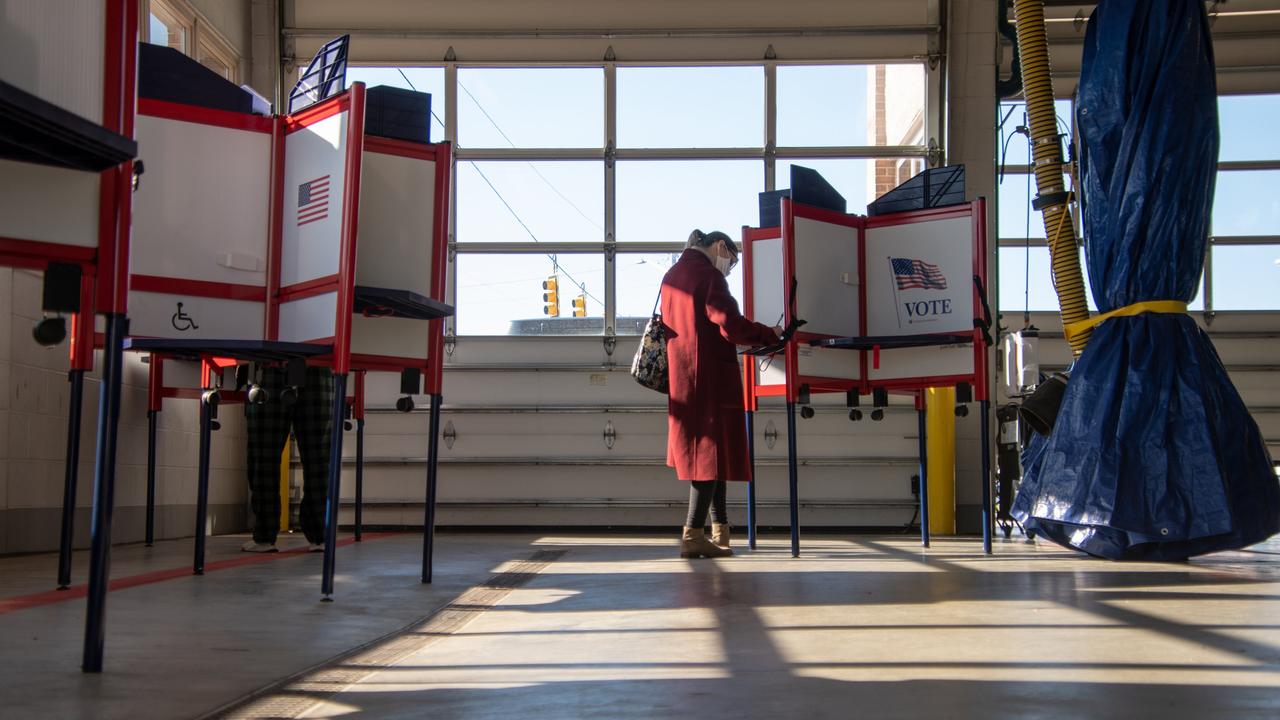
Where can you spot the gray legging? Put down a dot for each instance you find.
(704, 495)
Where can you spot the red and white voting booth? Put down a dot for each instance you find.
(892, 303)
(292, 239)
(67, 87)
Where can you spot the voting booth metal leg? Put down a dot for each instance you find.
(202, 481)
(104, 488)
(153, 418)
(985, 419)
(429, 513)
(335, 476)
(793, 479)
(924, 478)
(71, 478)
(751, 484)
(359, 478)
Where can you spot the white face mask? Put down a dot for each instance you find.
(722, 264)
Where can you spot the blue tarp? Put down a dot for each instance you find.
(1153, 455)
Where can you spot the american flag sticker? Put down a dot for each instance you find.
(917, 274)
(313, 200)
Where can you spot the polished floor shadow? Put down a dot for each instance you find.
(568, 626)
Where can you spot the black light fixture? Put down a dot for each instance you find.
(50, 331)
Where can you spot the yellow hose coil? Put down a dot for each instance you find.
(1068, 281)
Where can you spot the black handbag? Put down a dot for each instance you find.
(649, 367)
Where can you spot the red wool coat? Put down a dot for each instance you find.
(706, 425)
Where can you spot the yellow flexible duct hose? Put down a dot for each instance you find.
(1037, 86)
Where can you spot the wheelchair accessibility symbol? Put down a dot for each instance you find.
(183, 322)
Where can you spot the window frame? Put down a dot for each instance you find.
(566, 350)
(202, 39)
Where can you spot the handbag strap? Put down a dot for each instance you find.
(657, 300)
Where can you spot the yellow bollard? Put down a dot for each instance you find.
(940, 443)
(284, 485)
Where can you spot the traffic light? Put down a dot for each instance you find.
(550, 300)
(580, 306)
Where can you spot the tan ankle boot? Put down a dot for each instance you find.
(694, 543)
(720, 534)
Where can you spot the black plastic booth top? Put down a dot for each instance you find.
(252, 350)
(36, 131)
(385, 302)
(870, 342)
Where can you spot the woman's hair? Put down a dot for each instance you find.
(699, 239)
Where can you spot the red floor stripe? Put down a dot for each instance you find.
(75, 592)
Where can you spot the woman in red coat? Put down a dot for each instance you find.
(706, 424)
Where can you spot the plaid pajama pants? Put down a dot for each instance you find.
(268, 429)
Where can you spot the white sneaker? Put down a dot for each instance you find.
(254, 546)
(315, 547)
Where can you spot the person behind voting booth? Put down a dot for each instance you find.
(706, 421)
(310, 415)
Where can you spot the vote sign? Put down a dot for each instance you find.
(919, 277)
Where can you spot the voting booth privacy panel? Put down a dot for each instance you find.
(289, 240)
(890, 302)
(295, 229)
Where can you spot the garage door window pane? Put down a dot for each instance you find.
(1017, 218)
(503, 294)
(1246, 202)
(530, 201)
(1246, 277)
(850, 105)
(691, 107)
(1244, 121)
(531, 108)
(1014, 146)
(664, 201)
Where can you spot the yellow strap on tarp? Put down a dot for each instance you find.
(1150, 306)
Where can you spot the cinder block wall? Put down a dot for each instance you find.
(34, 397)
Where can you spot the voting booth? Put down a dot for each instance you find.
(291, 240)
(67, 71)
(889, 304)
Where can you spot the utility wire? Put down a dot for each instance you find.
(555, 263)
(551, 185)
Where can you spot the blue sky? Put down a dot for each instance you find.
(563, 201)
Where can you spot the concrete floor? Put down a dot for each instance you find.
(618, 627)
